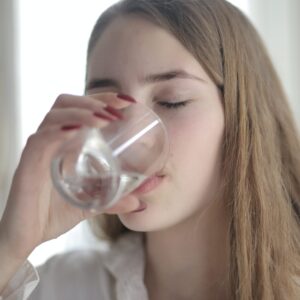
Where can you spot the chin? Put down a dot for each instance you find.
(138, 223)
(144, 222)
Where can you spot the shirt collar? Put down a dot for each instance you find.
(126, 256)
(126, 262)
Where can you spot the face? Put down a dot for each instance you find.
(130, 50)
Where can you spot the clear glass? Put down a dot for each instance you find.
(98, 167)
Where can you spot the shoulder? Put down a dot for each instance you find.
(89, 260)
(79, 274)
(74, 264)
(72, 260)
(90, 273)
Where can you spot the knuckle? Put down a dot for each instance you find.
(34, 138)
(48, 118)
(31, 139)
(33, 142)
(43, 142)
(61, 99)
(91, 121)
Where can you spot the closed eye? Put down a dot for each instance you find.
(173, 105)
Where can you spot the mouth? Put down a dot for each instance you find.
(141, 207)
(149, 184)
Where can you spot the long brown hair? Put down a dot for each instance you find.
(261, 152)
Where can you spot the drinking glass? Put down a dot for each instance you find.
(98, 167)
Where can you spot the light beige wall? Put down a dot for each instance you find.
(9, 120)
(278, 21)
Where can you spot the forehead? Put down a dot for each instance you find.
(138, 46)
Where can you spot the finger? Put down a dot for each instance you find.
(117, 101)
(41, 146)
(73, 115)
(68, 100)
(92, 101)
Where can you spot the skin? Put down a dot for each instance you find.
(185, 220)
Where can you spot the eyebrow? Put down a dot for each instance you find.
(153, 78)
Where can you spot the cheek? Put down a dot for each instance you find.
(195, 144)
(192, 133)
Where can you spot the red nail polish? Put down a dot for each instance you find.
(114, 112)
(126, 98)
(70, 127)
(102, 116)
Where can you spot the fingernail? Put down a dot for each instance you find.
(126, 98)
(102, 116)
(70, 127)
(114, 112)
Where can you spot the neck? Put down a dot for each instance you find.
(190, 259)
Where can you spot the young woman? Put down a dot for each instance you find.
(221, 221)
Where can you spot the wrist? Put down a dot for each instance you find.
(9, 252)
(9, 264)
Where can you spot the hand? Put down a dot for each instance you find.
(35, 212)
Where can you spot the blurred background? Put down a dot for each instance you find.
(42, 54)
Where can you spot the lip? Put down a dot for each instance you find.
(148, 185)
(141, 207)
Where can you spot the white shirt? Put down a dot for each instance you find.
(85, 274)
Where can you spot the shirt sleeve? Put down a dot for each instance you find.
(22, 284)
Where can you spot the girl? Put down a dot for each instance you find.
(221, 221)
